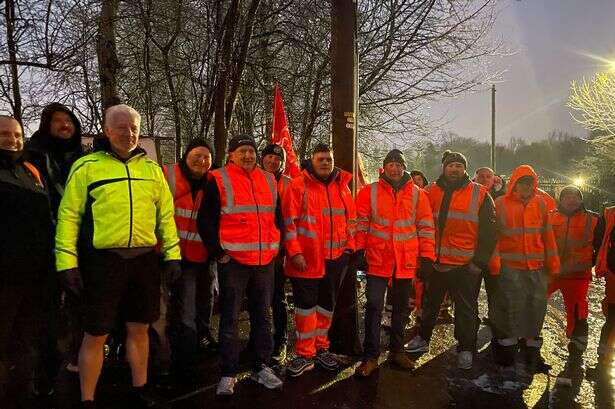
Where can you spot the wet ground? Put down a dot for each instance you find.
(436, 383)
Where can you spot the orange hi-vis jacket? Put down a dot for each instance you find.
(602, 266)
(456, 244)
(186, 211)
(320, 221)
(574, 236)
(283, 184)
(525, 238)
(247, 217)
(395, 229)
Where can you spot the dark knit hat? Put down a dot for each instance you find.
(274, 149)
(571, 189)
(395, 155)
(195, 143)
(450, 157)
(240, 140)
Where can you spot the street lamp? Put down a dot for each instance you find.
(579, 181)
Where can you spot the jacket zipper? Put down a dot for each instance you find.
(258, 220)
(330, 223)
(130, 199)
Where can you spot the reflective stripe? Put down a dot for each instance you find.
(334, 211)
(404, 236)
(290, 235)
(288, 221)
(230, 207)
(415, 199)
(363, 219)
(324, 312)
(362, 228)
(426, 234)
(316, 333)
(272, 187)
(403, 223)
(171, 179)
(190, 214)
(374, 205)
(305, 232)
(425, 223)
(249, 246)
(189, 235)
(308, 219)
(379, 234)
(510, 231)
(305, 312)
(521, 256)
(335, 244)
(455, 252)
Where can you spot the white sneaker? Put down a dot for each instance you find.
(267, 378)
(417, 344)
(226, 385)
(464, 360)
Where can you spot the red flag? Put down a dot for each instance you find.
(280, 135)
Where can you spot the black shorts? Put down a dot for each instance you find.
(119, 289)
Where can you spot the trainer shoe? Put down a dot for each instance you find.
(299, 365)
(267, 378)
(417, 344)
(326, 361)
(226, 386)
(464, 360)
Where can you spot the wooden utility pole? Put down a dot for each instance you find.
(106, 49)
(343, 82)
(493, 128)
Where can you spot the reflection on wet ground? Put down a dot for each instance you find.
(436, 383)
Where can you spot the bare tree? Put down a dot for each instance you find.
(593, 104)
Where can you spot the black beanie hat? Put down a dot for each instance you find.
(195, 143)
(240, 140)
(395, 155)
(450, 157)
(274, 149)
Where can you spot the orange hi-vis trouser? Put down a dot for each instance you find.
(314, 304)
(574, 291)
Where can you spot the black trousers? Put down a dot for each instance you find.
(400, 296)
(237, 280)
(463, 286)
(20, 325)
(279, 305)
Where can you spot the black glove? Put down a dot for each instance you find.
(425, 269)
(71, 281)
(171, 271)
(358, 260)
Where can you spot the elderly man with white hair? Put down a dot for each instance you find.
(115, 207)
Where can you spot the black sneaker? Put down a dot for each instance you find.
(326, 361)
(299, 365)
(145, 397)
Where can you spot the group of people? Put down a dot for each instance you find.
(112, 237)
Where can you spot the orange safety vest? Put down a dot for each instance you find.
(526, 240)
(186, 211)
(320, 222)
(395, 229)
(574, 236)
(455, 245)
(283, 185)
(247, 217)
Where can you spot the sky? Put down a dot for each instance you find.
(554, 42)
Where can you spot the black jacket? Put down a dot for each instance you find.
(486, 222)
(26, 228)
(52, 156)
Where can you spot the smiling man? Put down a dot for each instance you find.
(116, 207)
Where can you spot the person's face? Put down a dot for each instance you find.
(244, 156)
(485, 178)
(123, 130)
(570, 202)
(62, 126)
(322, 162)
(418, 181)
(394, 171)
(524, 190)
(454, 171)
(198, 161)
(272, 163)
(11, 136)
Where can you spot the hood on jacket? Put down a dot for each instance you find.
(42, 140)
(518, 173)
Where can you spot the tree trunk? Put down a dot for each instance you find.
(106, 50)
(12, 48)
